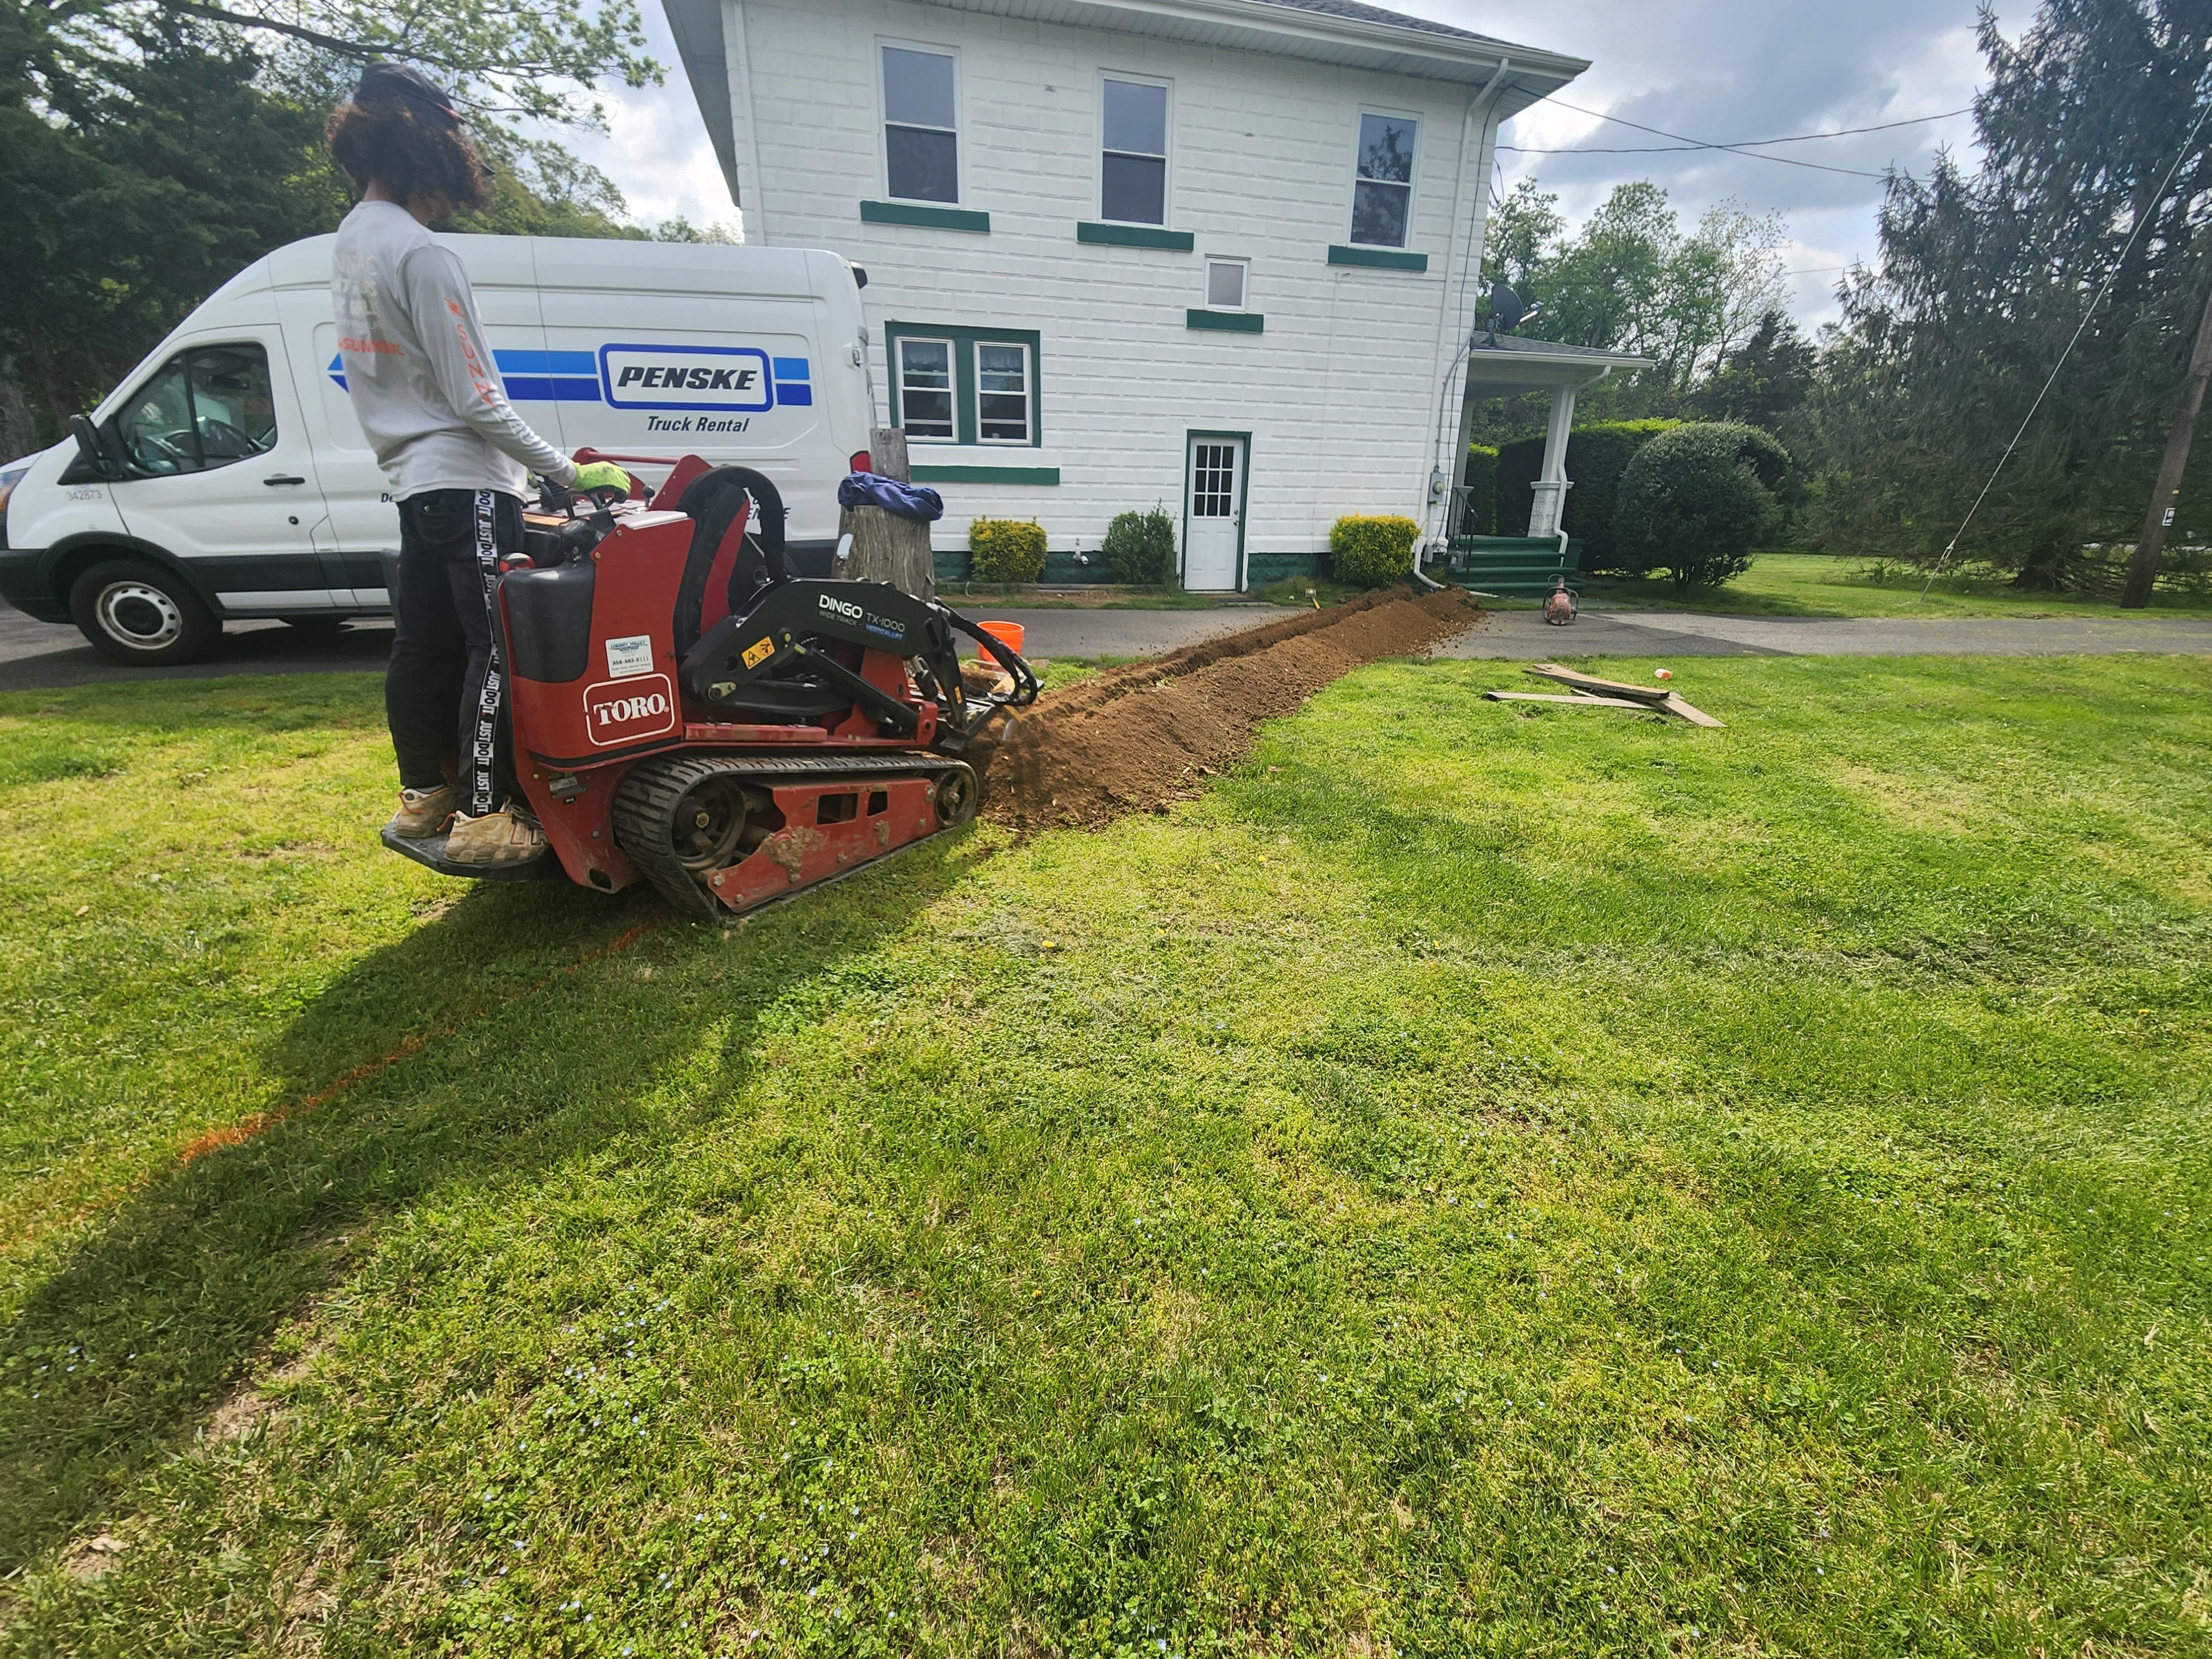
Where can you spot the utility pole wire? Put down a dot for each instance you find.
(1734, 150)
(2143, 218)
(1692, 145)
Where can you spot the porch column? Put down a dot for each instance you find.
(1551, 502)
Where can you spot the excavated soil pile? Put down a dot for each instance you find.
(1139, 737)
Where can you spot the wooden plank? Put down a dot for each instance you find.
(1579, 700)
(1582, 682)
(1675, 705)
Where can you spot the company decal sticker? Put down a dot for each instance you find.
(632, 654)
(732, 379)
(755, 655)
(888, 628)
(624, 710)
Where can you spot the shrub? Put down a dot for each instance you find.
(1372, 552)
(1597, 456)
(1695, 501)
(1005, 550)
(1140, 548)
(1478, 516)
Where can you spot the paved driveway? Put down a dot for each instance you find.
(1525, 635)
(36, 655)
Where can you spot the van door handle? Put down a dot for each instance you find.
(283, 478)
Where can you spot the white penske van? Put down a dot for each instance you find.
(227, 477)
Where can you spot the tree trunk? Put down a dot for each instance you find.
(2143, 571)
(887, 548)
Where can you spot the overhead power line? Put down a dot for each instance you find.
(1683, 142)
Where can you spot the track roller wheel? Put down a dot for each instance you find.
(956, 793)
(676, 819)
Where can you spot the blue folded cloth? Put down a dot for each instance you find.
(908, 501)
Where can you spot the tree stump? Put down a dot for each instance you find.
(885, 547)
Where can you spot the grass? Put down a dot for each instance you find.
(1825, 584)
(1484, 1179)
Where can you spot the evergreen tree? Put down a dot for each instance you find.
(1984, 278)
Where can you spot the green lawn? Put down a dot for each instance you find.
(1823, 584)
(1486, 1179)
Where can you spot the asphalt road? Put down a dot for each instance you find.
(35, 655)
(1525, 635)
(38, 656)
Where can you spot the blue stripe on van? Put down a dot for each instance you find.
(549, 389)
(793, 395)
(791, 369)
(546, 362)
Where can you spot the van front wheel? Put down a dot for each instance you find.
(142, 615)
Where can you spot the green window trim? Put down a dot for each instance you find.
(1228, 322)
(932, 218)
(957, 472)
(965, 340)
(1376, 259)
(1111, 235)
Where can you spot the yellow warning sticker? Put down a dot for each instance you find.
(757, 654)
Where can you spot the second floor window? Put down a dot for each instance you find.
(1133, 186)
(921, 136)
(1383, 185)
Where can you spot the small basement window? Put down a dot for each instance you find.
(1383, 185)
(1132, 185)
(926, 389)
(1225, 284)
(921, 139)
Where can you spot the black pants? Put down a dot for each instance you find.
(446, 679)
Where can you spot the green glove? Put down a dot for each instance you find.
(599, 475)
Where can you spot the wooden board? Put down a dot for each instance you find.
(1579, 700)
(1675, 705)
(1582, 682)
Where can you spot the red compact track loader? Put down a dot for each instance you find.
(687, 712)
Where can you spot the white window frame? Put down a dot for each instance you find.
(1421, 123)
(1028, 440)
(951, 385)
(1167, 152)
(959, 128)
(1244, 287)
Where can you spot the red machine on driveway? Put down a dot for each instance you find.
(687, 712)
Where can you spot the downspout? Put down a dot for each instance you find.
(1488, 98)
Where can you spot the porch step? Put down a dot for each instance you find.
(1512, 566)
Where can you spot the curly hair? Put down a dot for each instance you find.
(411, 153)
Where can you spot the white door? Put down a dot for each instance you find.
(1214, 522)
(219, 473)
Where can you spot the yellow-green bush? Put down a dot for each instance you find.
(1372, 551)
(1005, 550)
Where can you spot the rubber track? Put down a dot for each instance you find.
(645, 808)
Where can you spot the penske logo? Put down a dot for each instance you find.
(737, 378)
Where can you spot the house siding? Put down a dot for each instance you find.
(1341, 391)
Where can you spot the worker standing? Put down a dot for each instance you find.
(424, 385)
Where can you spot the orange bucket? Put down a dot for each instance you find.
(1008, 634)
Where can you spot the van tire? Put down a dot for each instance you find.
(136, 613)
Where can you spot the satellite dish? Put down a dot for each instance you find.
(1506, 311)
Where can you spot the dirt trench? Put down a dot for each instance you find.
(1136, 739)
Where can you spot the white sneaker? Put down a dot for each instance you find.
(506, 836)
(423, 812)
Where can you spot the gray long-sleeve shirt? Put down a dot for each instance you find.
(420, 374)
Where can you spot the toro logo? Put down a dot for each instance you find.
(844, 608)
(622, 711)
(687, 377)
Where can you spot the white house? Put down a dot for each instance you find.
(1220, 255)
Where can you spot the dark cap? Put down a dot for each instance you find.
(383, 84)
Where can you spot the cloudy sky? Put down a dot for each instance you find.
(1718, 70)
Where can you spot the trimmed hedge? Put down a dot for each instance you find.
(1140, 548)
(1005, 550)
(1597, 456)
(1372, 551)
(1480, 516)
(1697, 500)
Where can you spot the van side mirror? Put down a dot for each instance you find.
(93, 449)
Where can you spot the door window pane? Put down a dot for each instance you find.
(1002, 392)
(1212, 481)
(921, 145)
(1133, 182)
(1382, 192)
(926, 388)
(202, 408)
(1225, 284)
